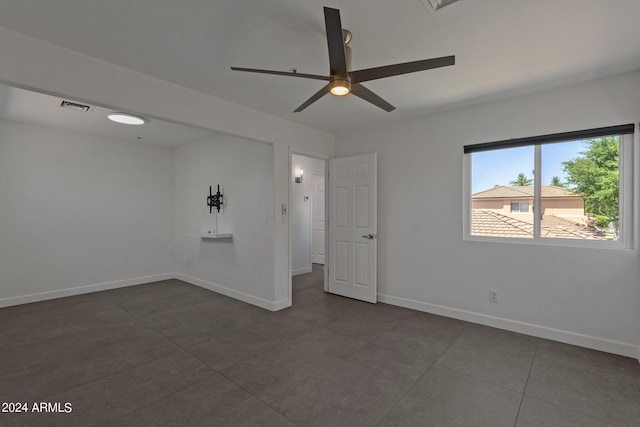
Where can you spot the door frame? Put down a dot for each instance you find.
(324, 158)
(315, 174)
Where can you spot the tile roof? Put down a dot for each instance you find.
(488, 223)
(512, 192)
(555, 226)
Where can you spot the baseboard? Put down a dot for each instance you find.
(77, 290)
(260, 302)
(581, 340)
(279, 305)
(301, 270)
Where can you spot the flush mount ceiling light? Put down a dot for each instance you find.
(127, 119)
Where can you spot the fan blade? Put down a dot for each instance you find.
(398, 69)
(319, 94)
(283, 73)
(335, 42)
(364, 93)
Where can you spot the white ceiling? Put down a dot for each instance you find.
(502, 47)
(36, 108)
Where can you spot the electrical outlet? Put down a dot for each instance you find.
(493, 295)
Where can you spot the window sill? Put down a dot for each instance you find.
(542, 241)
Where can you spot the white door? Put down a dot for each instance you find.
(317, 219)
(353, 227)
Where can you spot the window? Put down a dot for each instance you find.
(519, 207)
(566, 188)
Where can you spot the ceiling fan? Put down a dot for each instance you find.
(341, 80)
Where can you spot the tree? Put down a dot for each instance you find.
(521, 181)
(555, 181)
(595, 176)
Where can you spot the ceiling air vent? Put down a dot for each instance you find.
(70, 105)
(435, 5)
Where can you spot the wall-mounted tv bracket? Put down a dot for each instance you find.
(214, 200)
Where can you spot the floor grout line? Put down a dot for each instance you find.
(406, 392)
(524, 390)
(221, 373)
(269, 335)
(607, 422)
(107, 422)
(48, 398)
(478, 379)
(77, 355)
(258, 397)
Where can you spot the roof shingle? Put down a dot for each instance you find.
(489, 223)
(512, 192)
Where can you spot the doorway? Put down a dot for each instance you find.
(307, 214)
(350, 206)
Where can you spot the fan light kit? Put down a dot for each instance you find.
(127, 119)
(340, 87)
(341, 80)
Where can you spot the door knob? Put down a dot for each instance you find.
(369, 236)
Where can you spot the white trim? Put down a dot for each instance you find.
(626, 183)
(588, 341)
(283, 303)
(627, 201)
(467, 167)
(85, 289)
(547, 241)
(325, 269)
(67, 292)
(536, 209)
(326, 158)
(317, 259)
(302, 270)
(260, 302)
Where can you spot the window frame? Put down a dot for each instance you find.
(519, 207)
(626, 183)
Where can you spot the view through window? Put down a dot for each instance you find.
(578, 196)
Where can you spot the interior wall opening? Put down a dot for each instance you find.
(307, 209)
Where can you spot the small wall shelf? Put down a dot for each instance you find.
(215, 235)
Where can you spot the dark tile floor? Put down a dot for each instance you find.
(169, 353)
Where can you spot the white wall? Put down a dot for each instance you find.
(242, 267)
(80, 213)
(587, 297)
(300, 212)
(35, 64)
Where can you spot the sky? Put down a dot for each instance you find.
(498, 167)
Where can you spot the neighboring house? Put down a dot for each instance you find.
(507, 211)
(519, 199)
